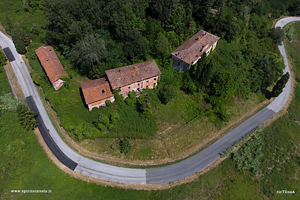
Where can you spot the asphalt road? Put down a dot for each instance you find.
(166, 174)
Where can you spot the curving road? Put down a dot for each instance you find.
(166, 174)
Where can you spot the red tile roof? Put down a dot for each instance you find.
(123, 76)
(50, 63)
(96, 90)
(193, 48)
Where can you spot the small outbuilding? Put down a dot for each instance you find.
(51, 65)
(96, 92)
(190, 52)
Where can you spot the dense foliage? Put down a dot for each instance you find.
(94, 36)
(20, 46)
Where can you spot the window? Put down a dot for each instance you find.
(148, 81)
(155, 79)
(154, 84)
(138, 84)
(103, 91)
(129, 88)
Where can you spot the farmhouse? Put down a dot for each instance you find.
(51, 65)
(134, 77)
(190, 52)
(96, 92)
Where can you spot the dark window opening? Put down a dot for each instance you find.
(138, 84)
(129, 88)
(103, 91)
(154, 84)
(155, 79)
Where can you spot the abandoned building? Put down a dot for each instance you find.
(190, 52)
(51, 65)
(96, 92)
(134, 77)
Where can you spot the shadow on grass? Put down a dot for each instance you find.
(267, 93)
(82, 98)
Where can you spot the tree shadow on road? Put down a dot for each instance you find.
(267, 93)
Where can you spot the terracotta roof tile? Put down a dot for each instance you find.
(50, 63)
(96, 90)
(123, 76)
(193, 48)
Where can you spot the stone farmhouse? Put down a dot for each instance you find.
(51, 65)
(190, 52)
(134, 77)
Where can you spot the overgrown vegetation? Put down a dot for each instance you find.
(91, 37)
(25, 166)
(26, 117)
(244, 62)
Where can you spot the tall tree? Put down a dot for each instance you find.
(19, 44)
(278, 88)
(88, 52)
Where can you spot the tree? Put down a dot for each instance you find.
(278, 88)
(125, 146)
(19, 44)
(25, 38)
(277, 35)
(88, 52)
(188, 86)
(166, 94)
(160, 9)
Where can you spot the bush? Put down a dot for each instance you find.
(277, 35)
(166, 94)
(26, 117)
(125, 146)
(278, 88)
(19, 44)
(108, 102)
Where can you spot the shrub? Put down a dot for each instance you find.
(166, 94)
(278, 88)
(125, 146)
(26, 117)
(108, 102)
(277, 35)
(19, 44)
